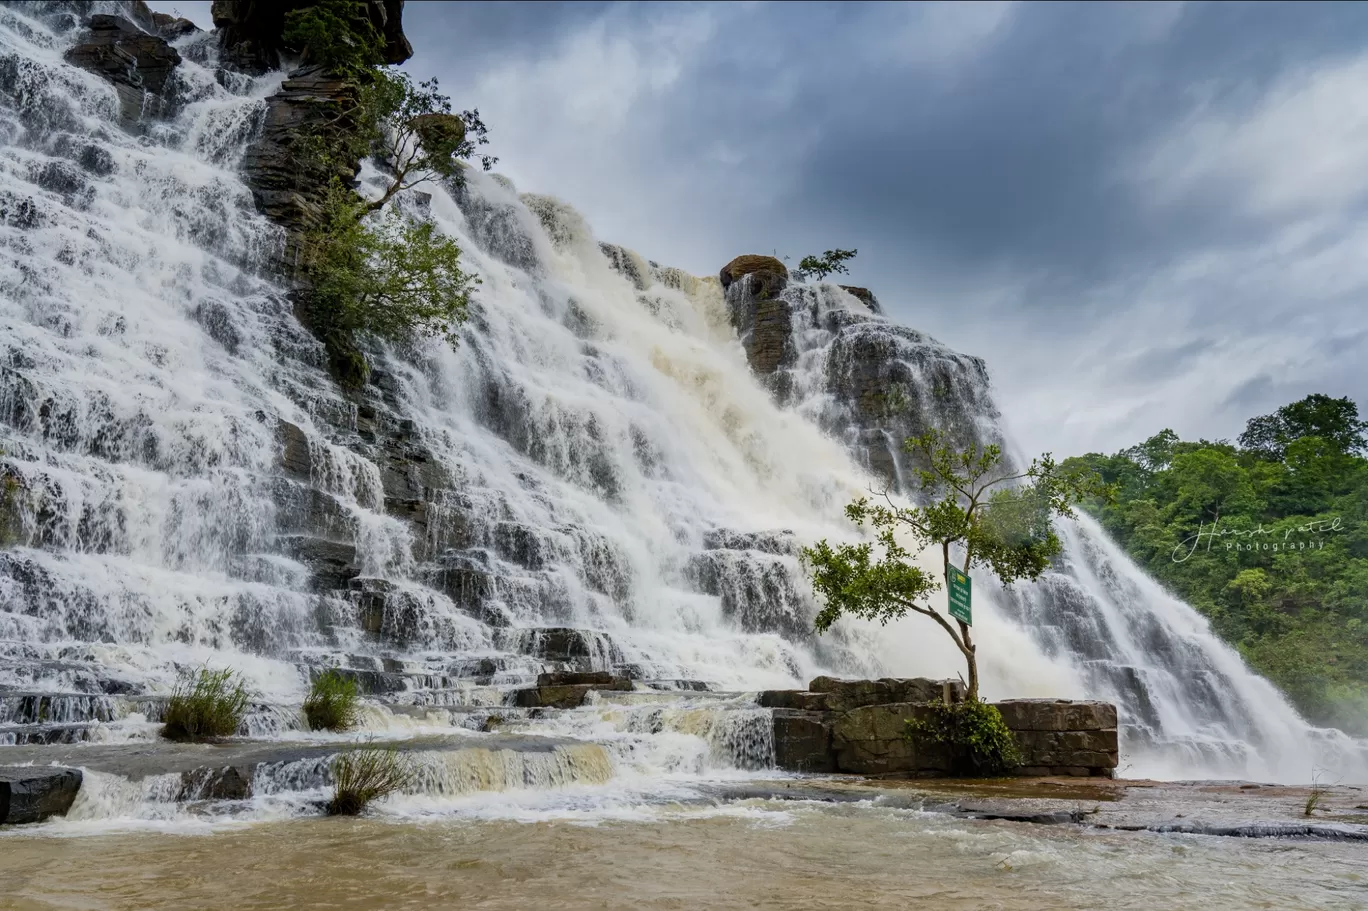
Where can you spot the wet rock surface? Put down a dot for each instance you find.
(286, 187)
(802, 741)
(139, 64)
(568, 689)
(136, 761)
(35, 793)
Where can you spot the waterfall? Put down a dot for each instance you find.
(593, 479)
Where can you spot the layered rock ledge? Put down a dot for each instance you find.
(860, 727)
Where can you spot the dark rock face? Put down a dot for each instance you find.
(865, 297)
(1063, 737)
(250, 31)
(801, 700)
(286, 188)
(161, 24)
(872, 740)
(36, 793)
(1054, 715)
(137, 63)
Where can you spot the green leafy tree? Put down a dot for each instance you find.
(1283, 572)
(417, 135)
(336, 34)
(384, 275)
(1334, 420)
(819, 267)
(976, 510)
(366, 269)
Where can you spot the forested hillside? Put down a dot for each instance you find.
(1266, 536)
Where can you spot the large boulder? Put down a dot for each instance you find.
(251, 31)
(137, 63)
(755, 264)
(36, 793)
(1063, 736)
(844, 695)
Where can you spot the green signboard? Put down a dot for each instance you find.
(959, 596)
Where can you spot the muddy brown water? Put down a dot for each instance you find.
(754, 853)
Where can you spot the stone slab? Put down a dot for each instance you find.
(35, 793)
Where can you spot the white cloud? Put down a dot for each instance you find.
(942, 34)
(1302, 147)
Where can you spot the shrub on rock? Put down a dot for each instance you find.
(206, 705)
(363, 776)
(331, 705)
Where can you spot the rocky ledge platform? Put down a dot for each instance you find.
(45, 779)
(860, 727)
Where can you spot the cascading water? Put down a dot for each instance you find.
(594, 479)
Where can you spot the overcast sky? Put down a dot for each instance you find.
(1142, 216)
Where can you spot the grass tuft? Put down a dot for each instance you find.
(206, 705)
(331, 705)
(362, 776)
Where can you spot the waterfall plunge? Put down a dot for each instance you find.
(599, 433)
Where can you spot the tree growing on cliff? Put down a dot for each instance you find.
(367, 269)
(416, 134)
(977, 512)
(819, 267)
(388, 276)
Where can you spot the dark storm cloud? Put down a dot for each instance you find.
(1130, 210)
(1019, 159)
(1142, 215)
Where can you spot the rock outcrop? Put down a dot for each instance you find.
(251, 31)
(865, 296)
(287, 184)
(845, 695)
(872, 740)
(1063, 737)
(880, 383)
(568, 689)
(138, 64)
(860, 727)
(774, 274)
(164, 25)
(36, 793)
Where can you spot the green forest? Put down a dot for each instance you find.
(1267, 537)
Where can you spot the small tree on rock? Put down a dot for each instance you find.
(819, 267)
(977, 511)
